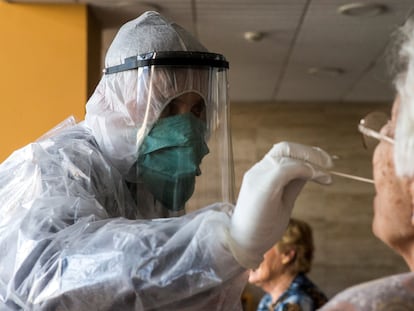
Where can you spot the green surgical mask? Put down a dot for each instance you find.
(169, 159)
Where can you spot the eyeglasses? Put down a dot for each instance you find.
(370, 128)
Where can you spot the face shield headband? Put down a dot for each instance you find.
(179, 58)
(162, 79)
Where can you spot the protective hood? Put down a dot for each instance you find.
(151, 62)
(116, 111)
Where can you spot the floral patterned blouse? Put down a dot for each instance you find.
(302, 295)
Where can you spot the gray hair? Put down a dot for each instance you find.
(404, 84)
(298, 237)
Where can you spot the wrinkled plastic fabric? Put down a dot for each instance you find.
(70, 240)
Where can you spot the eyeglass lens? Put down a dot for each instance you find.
(370, 127)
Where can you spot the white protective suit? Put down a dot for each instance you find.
(72, 236)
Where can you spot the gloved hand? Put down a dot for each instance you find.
(267, 195)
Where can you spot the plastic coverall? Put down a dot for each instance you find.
(72, 236)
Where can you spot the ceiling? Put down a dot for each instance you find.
(301, 39)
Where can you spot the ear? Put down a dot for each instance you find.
(288, 256)
(411, 187)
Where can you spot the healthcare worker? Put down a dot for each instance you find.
(81, 224)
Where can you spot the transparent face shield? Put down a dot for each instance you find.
(216, 183)
(183, 139)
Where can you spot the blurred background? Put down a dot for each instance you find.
(300, 70)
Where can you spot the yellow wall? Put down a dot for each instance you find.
(43, 63)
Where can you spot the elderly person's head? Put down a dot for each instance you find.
(297, 241)
(293, 254)
(393, 159)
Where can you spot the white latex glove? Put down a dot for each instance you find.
(267, 195)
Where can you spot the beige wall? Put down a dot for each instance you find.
(340, 214)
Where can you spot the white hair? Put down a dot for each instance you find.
(404, 83)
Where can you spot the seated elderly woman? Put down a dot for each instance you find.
(393, 169)
(282, 273)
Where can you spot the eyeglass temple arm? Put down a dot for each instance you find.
(374, 134)
(371, 133)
